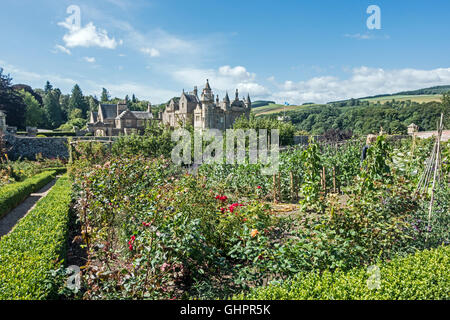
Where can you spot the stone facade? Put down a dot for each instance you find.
(114, 120)
(205, 112)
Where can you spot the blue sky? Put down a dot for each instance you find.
(294, 51)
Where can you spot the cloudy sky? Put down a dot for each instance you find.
(287, 51)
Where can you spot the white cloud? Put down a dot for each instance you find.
(359, 36)
(152, 52)
(365, 36)
(223, 79)
(62, 49)
(153, 94)
(238, 72)
(36, 80)
(89, 59)
(364, 81)
(87, 36)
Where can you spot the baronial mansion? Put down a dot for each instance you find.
(206, 112)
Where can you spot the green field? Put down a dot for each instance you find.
(414, 98)
(277, 108)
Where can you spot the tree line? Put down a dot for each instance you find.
(364, 117)
(49, 108)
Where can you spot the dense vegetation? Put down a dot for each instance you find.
(154, 231)
(423, 276)
(363, 117)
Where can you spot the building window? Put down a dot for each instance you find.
(129, 123)
(140, 123)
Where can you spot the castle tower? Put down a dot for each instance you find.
(226, 102)
(248, 102)
(207, 95)
(237, 95)
(121, 107)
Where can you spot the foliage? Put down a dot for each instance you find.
(11, 102)
(17, 171)
(34, 116)
(311, 186)
(52, 110)
(158, 233)
(155, 142)
(35, 247)
(364, 117)
(423, 276)
(286, 129)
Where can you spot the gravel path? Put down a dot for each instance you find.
(8, 222)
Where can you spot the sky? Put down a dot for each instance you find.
(286, 51)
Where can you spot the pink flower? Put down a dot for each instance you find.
(164, 266)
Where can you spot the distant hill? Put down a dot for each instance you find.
(436, 91)
(261, 103)
(277, 108)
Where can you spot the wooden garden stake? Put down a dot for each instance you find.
(274, 187)
(292, 185)
(334, 179)
(324, 181)
(279, 186)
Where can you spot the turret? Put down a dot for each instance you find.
(226, 101)
(237, 95)
(207, 95)
(248, 102)
(149, 107)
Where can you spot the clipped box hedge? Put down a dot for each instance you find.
(422, 276)
(36, 246)
(13, 194)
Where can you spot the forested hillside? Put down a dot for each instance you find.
(363, 117)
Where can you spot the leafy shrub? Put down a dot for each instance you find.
(35, 247)
(163, 234)
(424, 275)
(13, 194)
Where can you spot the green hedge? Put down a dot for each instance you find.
(13, 194)
(424, 276)
(35, 247)
(58, 170)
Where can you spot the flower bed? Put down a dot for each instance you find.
(423, 276)
(35, 247)
(13, 194)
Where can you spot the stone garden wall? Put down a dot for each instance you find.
(29, 147)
